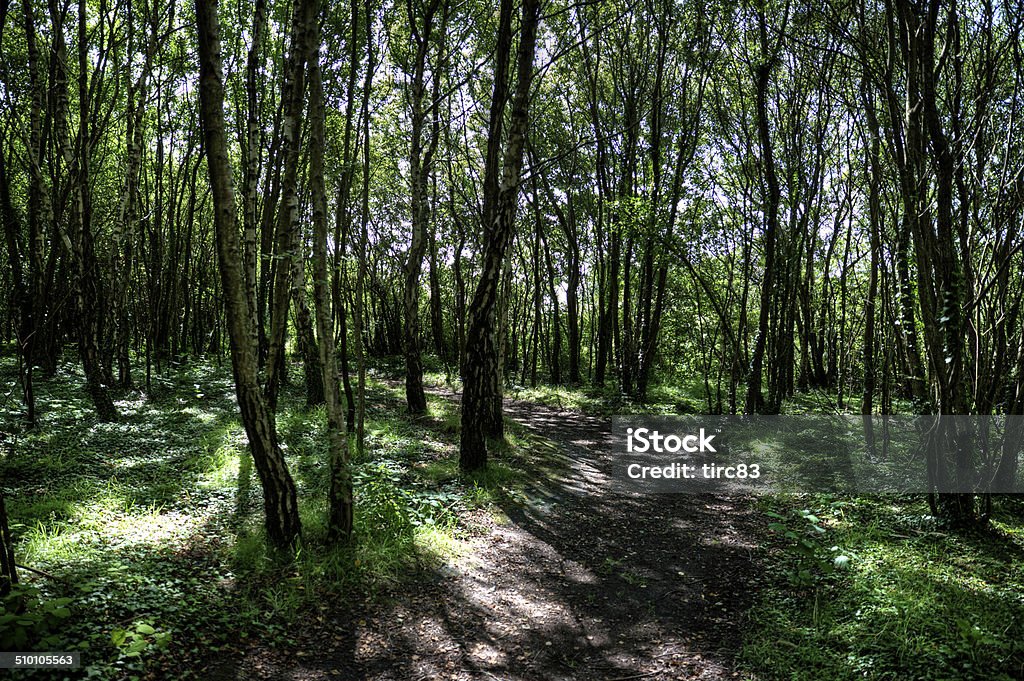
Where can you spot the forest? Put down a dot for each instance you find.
(316, 317)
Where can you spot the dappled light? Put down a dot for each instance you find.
(530, 340)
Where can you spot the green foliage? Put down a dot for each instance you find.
(391, 509)
(136, 641)
(671, 396)
(29, 621)
(156, 520)
(914, 601)
(809, 560)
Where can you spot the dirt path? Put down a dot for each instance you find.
(583, 583)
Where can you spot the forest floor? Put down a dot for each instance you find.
(572, 581)
(147, 535)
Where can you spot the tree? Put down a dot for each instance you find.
(76, 158)
(769, 51)
(8, 569)
(775, 197)
(289, 284)
(480, 374)
(279, 496)
(422, 104)
(339, 524)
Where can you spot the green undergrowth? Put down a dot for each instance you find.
(666, 397)
(150, 528)
(607, 401)
(879, 589)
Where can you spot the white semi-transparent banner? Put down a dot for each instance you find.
(834, 454)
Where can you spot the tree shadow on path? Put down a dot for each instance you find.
(580, 582)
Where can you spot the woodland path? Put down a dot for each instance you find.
(583, 583)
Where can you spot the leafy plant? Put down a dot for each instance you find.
(26, 620)
(143, 637)
(390, 506)
(811, 561)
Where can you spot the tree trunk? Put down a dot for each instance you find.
(940, 271)
(8, 570)
(22, 297)
(279, 495)
(86, 269)
(481, 372)
(762, 76)
(364, 220)
(339, 501)
(40, 216)
(436, 305)
(307, 341)
(302, 33)
(420, 156)
(875, 225)
(555, 356)
(343, 216)
(253, 138)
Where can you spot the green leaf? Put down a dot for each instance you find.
(137, 646)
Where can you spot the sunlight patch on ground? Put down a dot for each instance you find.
(107, 522)
(440, 543)
(223, 465)
(120, 522)
(915, 594)
(203, 416)
(487, 653)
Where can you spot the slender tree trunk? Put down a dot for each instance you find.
(650, 340)
(875, 225)
(344, 215)
(339, 506)
(302, 32)
(265, 278)
(460, 303)
(538, 296)
(87, 273)
(252, 148)
(22, 298)
(600, 324)
(567, 221)
(755, 398)
(555, 356)
(360, 316)
(436, 305)
(40, 216)
(8, 569)
(940, 271)
(627, 344)
(279, 495)
(420, 156)
(481, 372)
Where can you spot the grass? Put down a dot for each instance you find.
(662, 398)
(869, 587)
(888, 592)
(863, 587)
(151, 526)
(152, 530)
